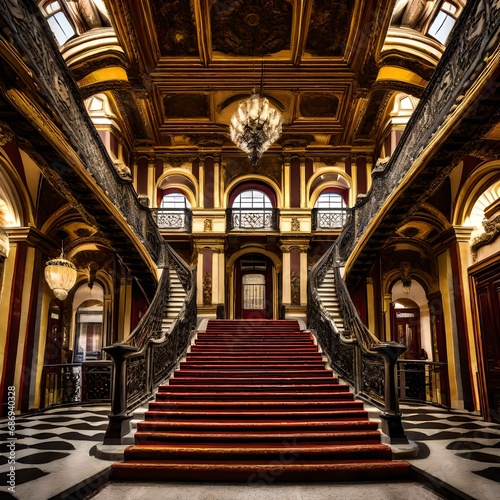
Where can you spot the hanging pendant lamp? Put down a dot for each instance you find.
(60, 275)
(255, 125)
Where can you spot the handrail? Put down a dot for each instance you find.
(356, 353)
(181, 267)
(150, 324)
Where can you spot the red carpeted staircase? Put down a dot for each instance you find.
(254, 402)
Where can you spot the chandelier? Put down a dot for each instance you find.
(60, 275)
(255, 125)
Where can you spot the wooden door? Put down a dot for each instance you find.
(254, 288)
(406, 330)
(488, 294)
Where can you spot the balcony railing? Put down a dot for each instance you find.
(324, 218)
(85, 382)
(178, 219)
(252, 219)
(422, 381)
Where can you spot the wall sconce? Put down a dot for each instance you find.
(405, 268)
(60, 275)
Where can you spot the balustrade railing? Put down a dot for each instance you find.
(173, 218)
(254, 219)
(421, 380)
(458, 73)
(85, 382)
(368, 364)
(322, 218)
(150, 354)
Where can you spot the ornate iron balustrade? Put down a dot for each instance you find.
(173, 218)
(85, 382)
(368, 364)
(467, 54)
(79, 150)
(150, 354)
(323, 218)
(252, 219)
(420, 380)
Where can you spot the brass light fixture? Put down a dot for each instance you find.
(60, 275)
(405, 268)
(256, 124)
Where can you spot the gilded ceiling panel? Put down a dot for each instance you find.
(318, 104)
(329, 27)
(251, 27)
(175, 27)
(186, 105)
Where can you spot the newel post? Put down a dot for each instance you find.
(392, 426)
(119, 420)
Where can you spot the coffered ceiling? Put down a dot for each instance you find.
(189, 62)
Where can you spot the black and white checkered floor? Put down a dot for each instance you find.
(54, 452)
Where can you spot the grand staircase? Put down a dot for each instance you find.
(254, 402)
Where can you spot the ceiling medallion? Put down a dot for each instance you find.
(255, 125)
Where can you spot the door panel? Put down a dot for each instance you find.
(489, 304)
(406, 331)
(253, 287)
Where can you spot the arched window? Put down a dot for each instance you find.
(252, 209)
(58, 21)
(175, 200)
(252, 198)
(174, 212)
(330, 211)
(444, 21)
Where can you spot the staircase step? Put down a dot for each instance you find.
(254, 425)
(263, 388)
(245, 396)
(358, 415)
(240, 436)
(252, 451)
(261, 472)
(260, 405)
(253, 380)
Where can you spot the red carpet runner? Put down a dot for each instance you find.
(254, 402)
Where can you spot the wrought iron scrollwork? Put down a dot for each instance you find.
(252, 219)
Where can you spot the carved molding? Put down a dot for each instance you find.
(491, 233)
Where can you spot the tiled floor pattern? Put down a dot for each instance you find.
(54, 453)
(457, 448)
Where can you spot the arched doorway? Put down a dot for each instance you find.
(253, 275)
(405, 326)
(89, 335)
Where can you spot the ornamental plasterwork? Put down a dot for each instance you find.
(238, 166)
(295, 225)
(207, 225)
(491, 233)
